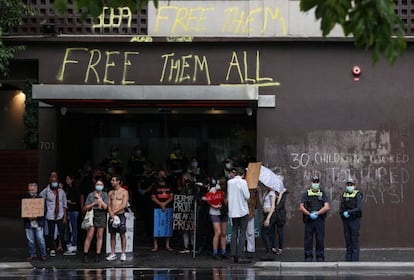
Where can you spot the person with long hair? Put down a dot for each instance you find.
(97, 201)
(216, 198)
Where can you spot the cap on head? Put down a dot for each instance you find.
(350, 181)
(315, 179)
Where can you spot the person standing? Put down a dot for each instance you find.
(34, 227)
(56, 207)
(269, 220)
(73, 200)
(314, 205)
(280, 221)
(238, 195)
(351, 213)
(98, 201)
(118, 200)
(217, 200)
(250, 232)
(162, 197)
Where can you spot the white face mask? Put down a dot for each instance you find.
(315, 186)
(228, 165)
(350, 188)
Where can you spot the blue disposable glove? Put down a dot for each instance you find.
(346, 215)
(313, 215)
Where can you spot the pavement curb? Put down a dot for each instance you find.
(14, 265)
(298, 267)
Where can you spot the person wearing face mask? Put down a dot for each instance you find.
(351, 213)
(98, 201)
(195, 171)
(162, 197)
(314, 205)
(34, 227)
(56, 207)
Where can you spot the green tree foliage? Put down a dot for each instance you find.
(373, 24)
(11, 14)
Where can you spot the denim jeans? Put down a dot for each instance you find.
(35, 236)
(73, 220)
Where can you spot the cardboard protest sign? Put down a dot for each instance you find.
(252, 174)
(33, 207)
(183, 212)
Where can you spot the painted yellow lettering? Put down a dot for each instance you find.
(109, 64)
(179, 19)
(160, 17)
(249, 19)
(127, 63)
(246, 69)
(258, 79)
(234, 63)
(184, 65)
(92, 64)
(164, 67)
(202, 18)
(273, 16)
(66, 60)
(203, 66)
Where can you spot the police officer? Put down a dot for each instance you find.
(351, 212)
(314, 205)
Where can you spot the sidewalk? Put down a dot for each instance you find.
(14, 253)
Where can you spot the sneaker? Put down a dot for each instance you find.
(97, 258)
(184, 251)
(85, 258)
(274, 250)
(69, 253)
(279, 251)
(111, 257)
(52, 253)
(123, 257)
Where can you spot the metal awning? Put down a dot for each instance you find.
(145, 92)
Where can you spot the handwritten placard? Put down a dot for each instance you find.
(33, 207)
(252, 174)
(183, 212)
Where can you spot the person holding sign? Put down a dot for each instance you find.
(218, 212)
(162, 197)
(34, 224)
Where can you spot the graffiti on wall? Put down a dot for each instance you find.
(380, 169)
(103, 67)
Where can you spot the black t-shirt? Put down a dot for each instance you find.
(162, 193)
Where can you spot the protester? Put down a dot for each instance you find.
(97, 201)
(34, 228)
(118, 201)
(238, 195)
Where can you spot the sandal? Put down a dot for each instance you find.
(154, 250)
(169, 249)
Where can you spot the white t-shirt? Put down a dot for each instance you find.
(267, 198)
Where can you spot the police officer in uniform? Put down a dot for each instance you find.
(351, 212)
(314, 205)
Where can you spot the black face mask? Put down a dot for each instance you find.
(161, 179)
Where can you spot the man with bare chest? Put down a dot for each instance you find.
(118, 200)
